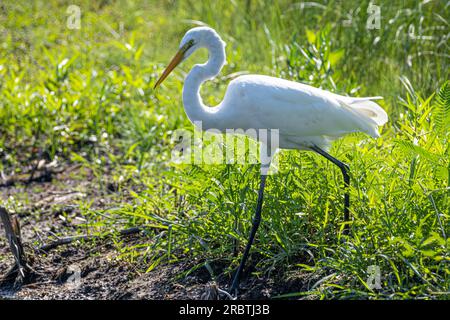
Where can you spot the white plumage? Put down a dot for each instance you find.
(304, 115)
(306, 118)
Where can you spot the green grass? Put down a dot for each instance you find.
(86, 96)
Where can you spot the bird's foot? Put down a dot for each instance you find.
(213, 292)
(231, 295)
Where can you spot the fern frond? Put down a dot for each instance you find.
(410, 148)
(442, 108)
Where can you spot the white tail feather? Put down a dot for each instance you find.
(370, 109)
(368, 114)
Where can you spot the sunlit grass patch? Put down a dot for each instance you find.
(85, 96)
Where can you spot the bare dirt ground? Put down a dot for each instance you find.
(93, 269)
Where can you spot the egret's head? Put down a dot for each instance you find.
(199, 37)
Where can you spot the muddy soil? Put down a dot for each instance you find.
(94, 269)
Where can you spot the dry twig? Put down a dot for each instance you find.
(20, 272)
(67, 240)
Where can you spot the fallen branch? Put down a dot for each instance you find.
(20, 272)
(68, 240)
(41, 172)
(26, 179)
(63, 241)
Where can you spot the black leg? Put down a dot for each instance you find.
(256, 222)
(344, 169)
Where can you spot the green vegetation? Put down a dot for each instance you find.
(86, 96)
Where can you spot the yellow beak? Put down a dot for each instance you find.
(172, 65)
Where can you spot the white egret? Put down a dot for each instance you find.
(307, 118)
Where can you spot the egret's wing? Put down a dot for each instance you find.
(294, 108)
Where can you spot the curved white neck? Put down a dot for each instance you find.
(193, 104)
